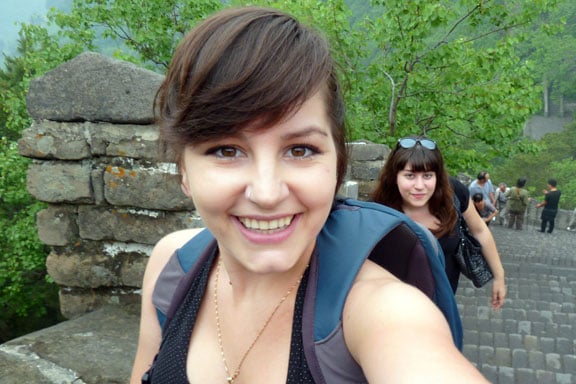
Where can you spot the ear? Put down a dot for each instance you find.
(184, 182)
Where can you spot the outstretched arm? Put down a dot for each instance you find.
(398, 335)
(483, 234)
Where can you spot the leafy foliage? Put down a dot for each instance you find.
(448, 69)
(551, 46)
(148, 30)
(26, 295)
(24, 287)
(433, 75)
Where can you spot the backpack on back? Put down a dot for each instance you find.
(355, 231)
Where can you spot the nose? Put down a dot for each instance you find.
(268, 186)
(419, 182)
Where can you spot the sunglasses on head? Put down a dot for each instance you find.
(408, 143)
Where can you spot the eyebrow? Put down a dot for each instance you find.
(309, 131)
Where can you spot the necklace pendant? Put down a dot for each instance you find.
(230, 380)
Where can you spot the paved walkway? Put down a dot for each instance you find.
(532, 339)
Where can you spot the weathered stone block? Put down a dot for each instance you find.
(131, 225)
(57, 225)
(75, 302)
(365, 189)
(367, 151)
(97, 180)
(134, 257)
(349, 189)
(146, 187)
(51, 140)
(58, 182)
(93, 349)
(93, 87)
(126, 140)
(96, 265)
(83, 269)
(366, 170)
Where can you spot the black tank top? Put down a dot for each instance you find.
(170, 363)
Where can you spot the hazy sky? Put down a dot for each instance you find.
(12, 11)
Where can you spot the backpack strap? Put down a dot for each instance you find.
(179, 273)
(354, 232)
(357, 230)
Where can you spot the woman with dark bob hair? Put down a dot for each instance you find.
(251, 112)
(414, 181)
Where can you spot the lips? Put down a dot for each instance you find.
(266, 225)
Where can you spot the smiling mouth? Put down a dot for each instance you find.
(266, 225)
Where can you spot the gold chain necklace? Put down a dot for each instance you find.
(231, 377)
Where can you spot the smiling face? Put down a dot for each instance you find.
(266, 193)
(416, 188)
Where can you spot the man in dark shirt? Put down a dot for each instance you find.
(550, 204)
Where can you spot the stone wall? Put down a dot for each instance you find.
(93, 145)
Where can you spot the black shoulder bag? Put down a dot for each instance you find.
(469, 255)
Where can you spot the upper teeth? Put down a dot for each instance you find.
(264, 225)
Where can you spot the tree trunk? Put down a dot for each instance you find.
(545, 94)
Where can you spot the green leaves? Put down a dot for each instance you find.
(145, 32)
(449, 69)
(22, 259)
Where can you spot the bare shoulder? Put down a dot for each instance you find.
(375, 285)
(166, 246)
(177, 239)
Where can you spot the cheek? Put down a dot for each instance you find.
(315, 190)
(209, 190)
(403, 185)
(321, 181)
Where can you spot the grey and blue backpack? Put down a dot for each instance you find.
(355, 231)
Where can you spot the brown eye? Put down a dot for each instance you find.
(298, 152)
(302, 151)
(228, 152)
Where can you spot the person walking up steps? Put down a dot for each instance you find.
(517, 202)
(550, 204)
(501, 203)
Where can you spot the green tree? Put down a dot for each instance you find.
(147, 32)
(449, 69)
(27, 298)
(551, 49)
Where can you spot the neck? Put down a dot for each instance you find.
(416, 211)
(243, 284)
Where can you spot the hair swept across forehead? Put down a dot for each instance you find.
(240, 66)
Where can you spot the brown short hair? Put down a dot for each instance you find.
(240, 66)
